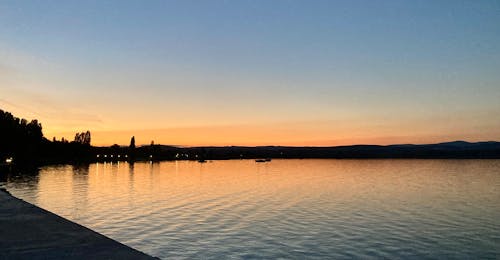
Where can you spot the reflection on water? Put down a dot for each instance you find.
(285, 208)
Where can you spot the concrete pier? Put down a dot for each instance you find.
(29, 232)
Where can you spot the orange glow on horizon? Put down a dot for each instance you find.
(345, 129)
(284, 135)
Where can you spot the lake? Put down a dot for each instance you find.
(293, 209)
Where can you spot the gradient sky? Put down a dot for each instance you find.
(254, 72)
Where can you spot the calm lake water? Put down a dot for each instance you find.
(291, 209)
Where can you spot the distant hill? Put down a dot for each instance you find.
(22, 142)
(456, 149)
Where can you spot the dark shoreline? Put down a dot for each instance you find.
(450, 150)
(91, 154)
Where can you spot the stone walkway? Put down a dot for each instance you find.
(29, 232)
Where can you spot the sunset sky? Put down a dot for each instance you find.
(313, 73)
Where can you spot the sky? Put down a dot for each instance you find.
(302, 73)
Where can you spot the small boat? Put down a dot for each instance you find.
(202, 161)
(260, 160)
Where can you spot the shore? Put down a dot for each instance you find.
(29, 232)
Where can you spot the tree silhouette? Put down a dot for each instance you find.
(82, 138)
(131, 150)
(132, 142)
(86, 138)
(78, 138)
(19, 139)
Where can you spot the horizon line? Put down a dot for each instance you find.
(304, 146)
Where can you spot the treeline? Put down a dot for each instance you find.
(22, 142)
(19, 137)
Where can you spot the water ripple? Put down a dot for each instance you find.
(289, 209)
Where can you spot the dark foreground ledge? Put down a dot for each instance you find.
(29, 232)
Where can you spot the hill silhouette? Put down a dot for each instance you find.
(24, 143)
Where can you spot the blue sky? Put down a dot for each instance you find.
(386, 71)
